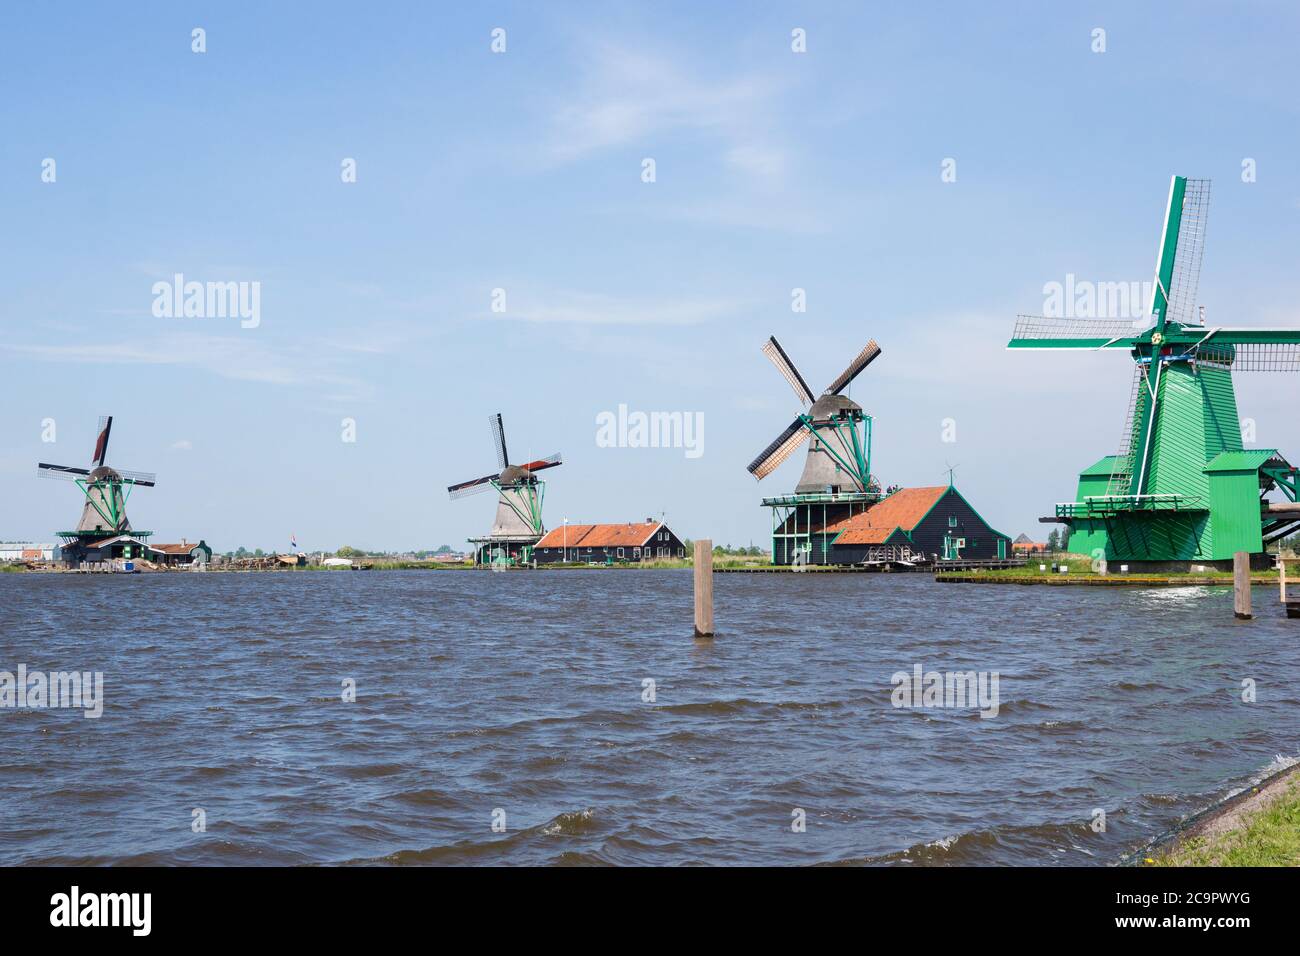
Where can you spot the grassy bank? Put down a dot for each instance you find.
(1081, 567)
(1263, 831)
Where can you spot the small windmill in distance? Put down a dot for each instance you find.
(518, 525)
(103, 517)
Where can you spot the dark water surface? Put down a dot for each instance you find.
(523, 691)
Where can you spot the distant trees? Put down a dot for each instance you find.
(742, 551)
(1054, 540)
(347, 551)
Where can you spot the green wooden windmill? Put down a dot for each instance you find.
(1182, 487)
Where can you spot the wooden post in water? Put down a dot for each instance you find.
(1241, 586)
(703, 560)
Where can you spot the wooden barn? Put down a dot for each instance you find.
(915, 525)
(609, 543)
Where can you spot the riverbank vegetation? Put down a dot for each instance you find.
(1046, 566)
(1269, 836)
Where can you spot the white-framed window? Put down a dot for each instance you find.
(636, 552)
(620, 552)
(952, 521)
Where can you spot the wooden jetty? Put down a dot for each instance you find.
(1290, 601)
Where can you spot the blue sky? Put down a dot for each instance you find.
(522, 171)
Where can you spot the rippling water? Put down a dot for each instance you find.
(523, 692)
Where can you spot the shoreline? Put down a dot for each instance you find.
(1218, 824)
(1125, 580)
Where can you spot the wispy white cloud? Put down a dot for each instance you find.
(183, 445)
(627, 96)
(241, 358)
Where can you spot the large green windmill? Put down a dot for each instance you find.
(1182, 487)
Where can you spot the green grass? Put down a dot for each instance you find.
(9, 567)
(1271, 837)
(1081, 565)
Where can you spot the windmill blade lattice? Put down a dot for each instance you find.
(64, 472)
(499, 440)
(1190, 251)
(869, 353)
(772, 349)
(1039, 331)
(467, 488)
(782, 448)
(144, 478)
(1253, 356)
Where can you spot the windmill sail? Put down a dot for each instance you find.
(66, 472)
(780, 449)
(101, 443)
(550, 461)
(471, 487)
(1252, 356)
(1044, 332)
(499, 440)
(1189, 250)
(869, 354)
(783, 365)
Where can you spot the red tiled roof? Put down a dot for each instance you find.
(903, 509)
(174, 548)
(600, 536)
(620, 535)
(566, 536)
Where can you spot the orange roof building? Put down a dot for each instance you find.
(934, 524)
(609, 543)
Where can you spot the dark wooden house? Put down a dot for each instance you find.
(184, 552)
(609, 543)
(921, 524)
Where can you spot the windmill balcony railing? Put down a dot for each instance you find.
(1099, 506)
(823, 498)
